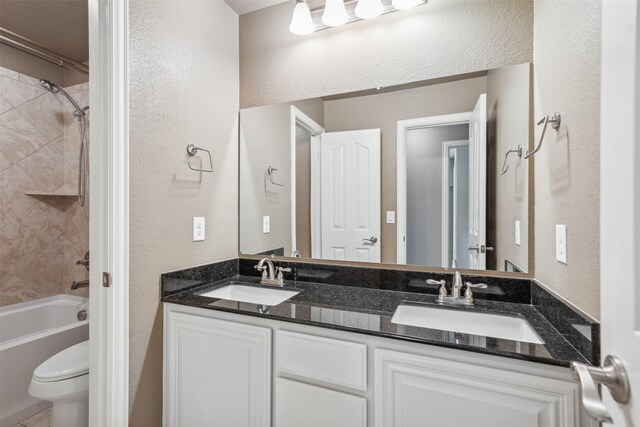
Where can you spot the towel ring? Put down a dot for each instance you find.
(505, 166)
(555, 124)
(193, 150)
(270, 171)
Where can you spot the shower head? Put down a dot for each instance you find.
(51, 87)
(54, 88)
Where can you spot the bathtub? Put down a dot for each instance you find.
(30, 333)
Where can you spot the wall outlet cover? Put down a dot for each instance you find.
(198, 228)
(266, 224)
(391, 217)
(517, 236)
(561, 243)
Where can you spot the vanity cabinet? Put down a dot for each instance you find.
(219, 372)
(216, 373)
(416, 391)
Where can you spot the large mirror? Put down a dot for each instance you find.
(428, 174)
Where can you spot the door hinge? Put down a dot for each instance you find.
(106, 280)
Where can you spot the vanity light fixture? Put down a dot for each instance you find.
(339, 12)
(335, 13)
(368, 9)
(301, 22)
(405, 4)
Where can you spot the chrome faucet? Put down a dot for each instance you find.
(269, 276)
(456, 286)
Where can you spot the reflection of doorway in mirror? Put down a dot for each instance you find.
(455, 203)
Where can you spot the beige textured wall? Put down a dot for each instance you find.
(265, 140)
(567, 79)
(40, 237)
(508, 111)
(183, 89)
(442, 38)
(383, 111)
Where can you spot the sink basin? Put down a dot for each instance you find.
(251, 294)
(466, 322)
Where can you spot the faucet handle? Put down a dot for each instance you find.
(442, 291)
(436, 282)
(281, 271)
(468, 294)
(263, 269)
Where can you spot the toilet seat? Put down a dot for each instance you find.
(69, 363)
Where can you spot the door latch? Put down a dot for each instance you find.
(106, 280)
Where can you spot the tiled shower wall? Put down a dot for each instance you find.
(41, 236)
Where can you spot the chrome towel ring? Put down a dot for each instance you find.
(193, 150)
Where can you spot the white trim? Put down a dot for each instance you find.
(298, 118)
(401, 207)
(108, 223)
(446, 145)
(316, 198)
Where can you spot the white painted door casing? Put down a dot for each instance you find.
(217, 373)
(350, 195)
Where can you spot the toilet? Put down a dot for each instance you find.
(63, 379)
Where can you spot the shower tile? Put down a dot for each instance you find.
(9, 73)
(46, 114)
(5, 105)
(29, 80)
(18, 139)
(47, 218)
(17, 93)
(78, 88)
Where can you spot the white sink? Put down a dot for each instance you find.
(466, 322)
(251, 294)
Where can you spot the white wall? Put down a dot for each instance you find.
(567, 172)
(442, 38)
(183, 89)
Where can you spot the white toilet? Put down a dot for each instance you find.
(63, 379)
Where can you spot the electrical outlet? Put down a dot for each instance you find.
(391, 217)
(518, 233)
(561, 243)
(198, 228)
(266, 224)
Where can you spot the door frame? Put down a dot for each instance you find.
(446, 145)
(108, 222)
(298, 118)
(403, 126)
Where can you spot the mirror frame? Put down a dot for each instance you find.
(408, 267)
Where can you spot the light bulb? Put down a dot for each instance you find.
(405, 4)
(301, 22)
(368, 9)
(335, 13)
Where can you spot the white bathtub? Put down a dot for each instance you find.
(30, 333)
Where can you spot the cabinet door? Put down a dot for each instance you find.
(217, 373)
(421, 391)
(304, 405)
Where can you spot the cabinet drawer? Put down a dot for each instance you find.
(334, 361)
(298, 404)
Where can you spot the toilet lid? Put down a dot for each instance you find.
(69, 363)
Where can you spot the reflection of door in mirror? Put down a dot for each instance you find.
(350, 195)
(455, 203)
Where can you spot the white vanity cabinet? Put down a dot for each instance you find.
(219, 372)
(216, 373)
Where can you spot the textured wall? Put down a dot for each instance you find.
(40, 237)
(508, 111)
(383, 111)
(443, 38)
(567, 79)
(183, 89)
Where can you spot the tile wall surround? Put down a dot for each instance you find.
(580, 330)
(41, 237)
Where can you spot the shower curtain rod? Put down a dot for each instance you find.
(17, 41)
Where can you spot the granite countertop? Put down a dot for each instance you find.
(369, 311)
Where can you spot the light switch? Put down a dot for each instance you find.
(518, 233)
(198, 228)
(266, 224)
(391, 217)
(561, 243)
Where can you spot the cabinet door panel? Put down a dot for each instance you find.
(218, 373)
(420, 391)
(304, 405)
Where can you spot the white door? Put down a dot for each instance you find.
(619, 213)
(478, 184)
(350, 195)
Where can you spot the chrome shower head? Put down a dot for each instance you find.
(51, 87)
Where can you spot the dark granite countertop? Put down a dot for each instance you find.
(369, 311)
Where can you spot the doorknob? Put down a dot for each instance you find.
(612, 375)
(474, 248)
(372, 240)
(481, 249)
